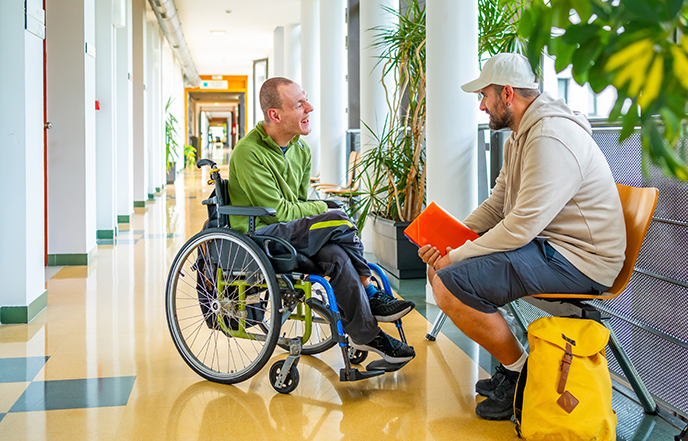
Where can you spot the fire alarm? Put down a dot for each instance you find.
(97, 105)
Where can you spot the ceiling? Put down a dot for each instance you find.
(248, 31)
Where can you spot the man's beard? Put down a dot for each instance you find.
(501, 117)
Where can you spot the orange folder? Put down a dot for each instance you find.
(437, 227)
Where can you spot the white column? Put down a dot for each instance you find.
(278, 52)
(292, 52)
(125, 121)
(333, 161)
(153, 126)
(140, 158)
(23, 292)
(374, 107)
(106, 123)
(310, 73)
(71, 161)
(452, 60)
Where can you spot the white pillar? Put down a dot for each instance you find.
(140, 158)
(333, 163)
(373, 107)
(292, 52)
(154, 125)
(106, 123)
(125, 121)
(310, 73)
(71, 78)
(278, 52)
(452, 60)
(23, 293)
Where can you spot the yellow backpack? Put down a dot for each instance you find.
(564, 391)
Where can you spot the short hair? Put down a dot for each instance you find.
(269, 94)
(524, 92)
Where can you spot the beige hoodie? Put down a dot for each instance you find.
(555, 183)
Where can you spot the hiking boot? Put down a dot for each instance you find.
(487, 386)
(500, 405)
(389, 348)
(386, 308)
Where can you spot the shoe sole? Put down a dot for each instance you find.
(503, 416)
(387, 358)
(394, 317)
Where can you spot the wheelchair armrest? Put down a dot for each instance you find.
(331, 203)
(281, 263)
(210, 201)
(247, 211)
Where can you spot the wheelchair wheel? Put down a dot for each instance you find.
(290, 382)
(222, 302)
(321, 337)
(356, 356)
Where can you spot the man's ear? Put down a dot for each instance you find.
(509, 92)
(274, 116)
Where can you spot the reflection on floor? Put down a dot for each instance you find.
(99, 364)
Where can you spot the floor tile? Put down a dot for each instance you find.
(75, 394)
(94, 424)
(9, 394)
(13, 370)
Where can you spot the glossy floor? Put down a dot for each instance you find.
(99, 364)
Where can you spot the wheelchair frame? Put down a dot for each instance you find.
(225, 298)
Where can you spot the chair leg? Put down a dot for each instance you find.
(629, 371)
(437, 326)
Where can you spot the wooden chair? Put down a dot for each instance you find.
(638, 207)
(350, 187)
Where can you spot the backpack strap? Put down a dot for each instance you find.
(565, 366)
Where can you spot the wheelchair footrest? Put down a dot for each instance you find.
(385, 366)
(355, 374)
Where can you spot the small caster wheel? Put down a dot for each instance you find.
(290, 382)
(356, 356)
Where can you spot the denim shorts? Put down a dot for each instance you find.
(487, 282)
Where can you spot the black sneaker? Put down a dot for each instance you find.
(500, 405)
(389, 348)
(487, 386)
(386, 308)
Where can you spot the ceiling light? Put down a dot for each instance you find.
(217, 32)
(217, 104)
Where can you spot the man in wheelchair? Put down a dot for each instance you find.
(271, 167)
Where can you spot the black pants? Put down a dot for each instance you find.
(330, 240)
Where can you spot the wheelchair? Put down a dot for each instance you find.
(231, 298)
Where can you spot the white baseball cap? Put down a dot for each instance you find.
(504, 69)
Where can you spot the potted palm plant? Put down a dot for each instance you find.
(171, 144)
(392, 177)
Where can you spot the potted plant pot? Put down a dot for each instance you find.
(394, 252)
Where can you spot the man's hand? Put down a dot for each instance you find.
(431, 256)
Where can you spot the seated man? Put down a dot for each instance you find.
(553, 223)
(271, 167)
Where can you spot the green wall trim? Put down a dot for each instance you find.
(157, 189)
(68, 259)
(23, 314)
(151, 196)
(123, 219)
(106, 234)
(139, 204)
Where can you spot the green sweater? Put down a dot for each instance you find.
(260, 175)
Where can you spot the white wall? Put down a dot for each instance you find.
(125, 140)
(106, 119)
(21, 138)
(71, 141)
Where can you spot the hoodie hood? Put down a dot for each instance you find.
(545, 106)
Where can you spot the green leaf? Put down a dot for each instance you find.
(629, 122)
(582, 58)
(673, 8)
(564, 55)
(598, 78)
(641, 10)
(580, 33)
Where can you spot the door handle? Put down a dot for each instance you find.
(48, 125)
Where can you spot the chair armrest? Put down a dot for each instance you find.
(331, 203)
(247, 211)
